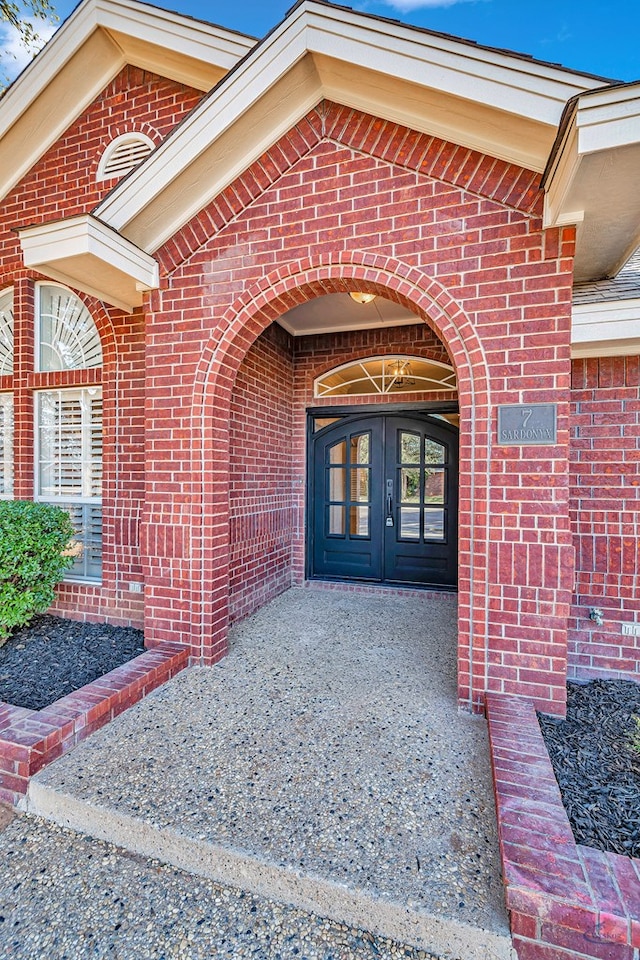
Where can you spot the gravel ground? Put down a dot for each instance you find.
(596, 765)
(65, 897)
(328, 742)
(51, 657)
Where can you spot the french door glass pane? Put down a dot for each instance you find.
(410, 484)
(409, 447)
(433, 524)
(359, 484)
(359, 521)
(360, 448)
(338, 452)
(337, 484)
(410, 523)
(336, 521)
(434, 452)
(434, 485)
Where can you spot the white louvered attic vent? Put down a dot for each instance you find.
(123, 154)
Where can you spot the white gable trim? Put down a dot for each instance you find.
(158, 198)
(86, 53)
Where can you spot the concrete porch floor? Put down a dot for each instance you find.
(322, 763)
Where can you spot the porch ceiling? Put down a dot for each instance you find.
(337, 312)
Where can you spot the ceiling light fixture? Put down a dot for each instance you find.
(363, 298)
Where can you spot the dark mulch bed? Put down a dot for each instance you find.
(596, 765)
(52, 657)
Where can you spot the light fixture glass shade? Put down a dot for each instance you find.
(363, 297)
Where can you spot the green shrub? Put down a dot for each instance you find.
(33, 559)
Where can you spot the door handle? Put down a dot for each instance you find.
(389, 505)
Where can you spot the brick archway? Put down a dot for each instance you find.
(243, 322)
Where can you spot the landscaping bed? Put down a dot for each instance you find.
(52, 657)
(595, 753)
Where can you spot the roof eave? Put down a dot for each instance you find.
(591, 178)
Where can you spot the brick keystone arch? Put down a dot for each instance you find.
(259, 306)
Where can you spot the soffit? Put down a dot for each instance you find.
(86, 53)
(81, 248)
(337, 312)
(592, 180)
(436, 85)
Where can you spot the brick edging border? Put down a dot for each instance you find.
(564, 899)
(30, 739)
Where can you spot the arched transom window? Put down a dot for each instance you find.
(67, 336)
(395, 374)
(6, 333)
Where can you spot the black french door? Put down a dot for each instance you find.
(384, 500)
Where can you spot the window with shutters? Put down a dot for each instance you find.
(60, 400)
(69, 466)
(6, 446)
(123, 154)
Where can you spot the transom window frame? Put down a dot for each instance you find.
(397, 376)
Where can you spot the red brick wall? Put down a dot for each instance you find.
(345, 201)
(605, 515)
(63, 184)
(262, 521)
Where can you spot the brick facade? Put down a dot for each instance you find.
(605, 515)
(343, 202)
(63, 183)
(205, 400)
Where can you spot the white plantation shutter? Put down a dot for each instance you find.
(70, 465)
(6, 446)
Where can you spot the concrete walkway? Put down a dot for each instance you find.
(323, 763)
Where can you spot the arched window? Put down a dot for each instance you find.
(386, 375)
(69, 421)
(67, 336)
(123, 154)
(6, 333)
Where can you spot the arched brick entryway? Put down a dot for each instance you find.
(243, 322)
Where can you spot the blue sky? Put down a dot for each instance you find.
(594, 36)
